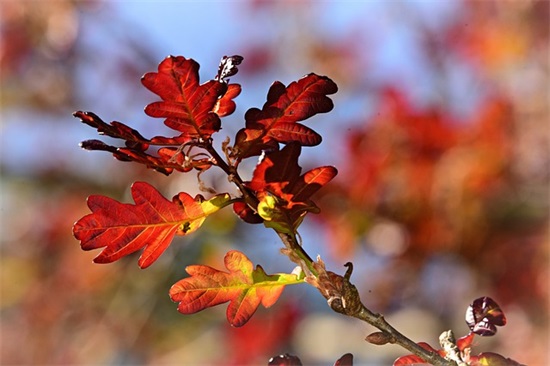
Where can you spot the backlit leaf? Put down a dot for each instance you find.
(187, 106)
(285, 106)
(149, 224)
(417, 360)
(243, 286)
(492, 359)
(278, 175)
(136, 146)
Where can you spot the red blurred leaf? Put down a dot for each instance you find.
(465, 342)
(416, 360)
(285, 360)
(491, 359)
(345, 360)
(245, 287)
(277, 121)
(187, 106)
(150, 223)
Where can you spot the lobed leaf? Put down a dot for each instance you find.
(136, 146)
(243, 286)
(278, 175)
(278, 119)
(187, 106)
(150, 224)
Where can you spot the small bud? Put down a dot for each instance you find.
(379, 338)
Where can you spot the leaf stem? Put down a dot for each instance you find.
(396, 337)
(300, 256)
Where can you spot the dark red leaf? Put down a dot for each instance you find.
(345, 360)
(135, 145)
(483, 316)
(246, 213)
(285, 360)
(285, 107)
(228, 67)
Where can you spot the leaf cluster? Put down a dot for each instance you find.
(278, 194)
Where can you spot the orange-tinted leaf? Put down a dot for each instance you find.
(245, 287)
(225, 105)
(285, 107)
(150, 223)
(491, 359)
(187, 106)
(466, 341)
(416, 360)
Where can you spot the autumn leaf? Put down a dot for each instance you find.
(417, 360)
(277, 121)
(243, 286)
(492, 359)
(136, 146)
(150, 224)
(285, 360)
(484, 315)
(278, 184)
(345, 360)
(187, 106)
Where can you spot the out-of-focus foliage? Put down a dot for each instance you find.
(442, 194)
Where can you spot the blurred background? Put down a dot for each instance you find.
(440, 132)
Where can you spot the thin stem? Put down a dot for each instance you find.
(291, 243)
(397, 337)
(299, 255)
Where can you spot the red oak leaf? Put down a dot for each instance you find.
(245, 287)
(278, 174)
(187, 106)
(150, 223)
(136, 146)
(278, 119)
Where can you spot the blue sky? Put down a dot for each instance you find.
(207, 30)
